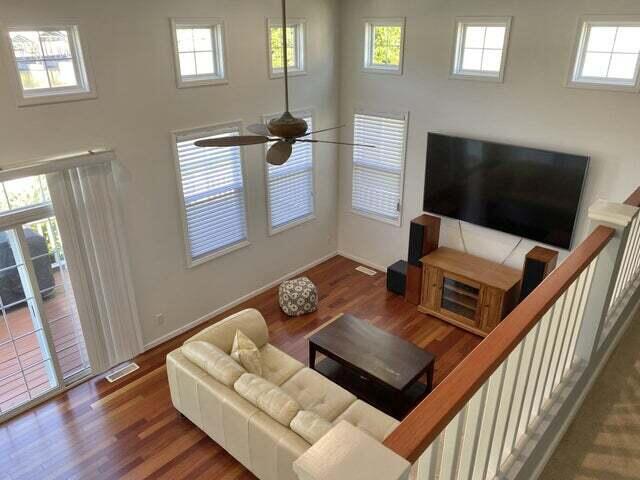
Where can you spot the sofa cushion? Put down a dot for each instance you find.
(277, 366)
(268, 397)
(221, 334)
(310, 426)
(318, 394)
(369, 419)
(245, 352)
(250, 387)
(213, 361)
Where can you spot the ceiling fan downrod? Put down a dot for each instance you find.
(287, 126)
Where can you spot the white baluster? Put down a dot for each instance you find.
(635, 249)
(628, 260)
(473, 426)
(554, 329)
(572, 320)
(628, 239)
(525, 367)
(583, 304)
(534, 371)
(489, 422)
(429, 462)
(559, 341)
(451, 449)
(496, 454)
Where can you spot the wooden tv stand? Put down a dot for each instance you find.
(467, 291)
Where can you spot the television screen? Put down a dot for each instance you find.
(522, 191)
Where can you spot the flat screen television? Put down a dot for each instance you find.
(522, 191)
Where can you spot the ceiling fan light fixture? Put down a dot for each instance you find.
(287, 126)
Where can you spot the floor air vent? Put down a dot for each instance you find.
(122, 371)
(366, 271)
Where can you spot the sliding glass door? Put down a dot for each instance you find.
(41, 343)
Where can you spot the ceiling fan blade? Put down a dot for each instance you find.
(279, 153)
(335, 143)
(233, 141)
(259, 129)
(323, 130)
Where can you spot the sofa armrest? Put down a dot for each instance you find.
(221, 334)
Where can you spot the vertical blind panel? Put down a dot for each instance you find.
(213, 190)
(291, 185)
(377, 172)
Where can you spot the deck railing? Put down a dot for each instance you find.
(480, 420)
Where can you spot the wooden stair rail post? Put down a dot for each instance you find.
(423, 425)
(620, 218)
(634, 199)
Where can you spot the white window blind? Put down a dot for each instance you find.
(378, 172)
(290, 187)
(212, 191)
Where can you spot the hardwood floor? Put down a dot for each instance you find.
(130, 430)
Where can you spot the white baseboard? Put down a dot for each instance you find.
(218, 311)
(361, 260)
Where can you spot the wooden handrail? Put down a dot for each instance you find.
(423, 425)
(634, 199)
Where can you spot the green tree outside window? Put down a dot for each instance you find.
(387, 45)
(277, 48)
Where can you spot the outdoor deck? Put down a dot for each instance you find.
(23, 370)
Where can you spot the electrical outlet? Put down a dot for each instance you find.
(160, 318)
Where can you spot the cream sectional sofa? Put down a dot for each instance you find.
(252, 417)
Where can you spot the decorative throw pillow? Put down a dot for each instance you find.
(245, 352)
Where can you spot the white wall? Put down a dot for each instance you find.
(532, 107)
(129, 45)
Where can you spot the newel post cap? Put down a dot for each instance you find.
(346, 452)
(617, 215)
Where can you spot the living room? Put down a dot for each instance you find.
(145, 277)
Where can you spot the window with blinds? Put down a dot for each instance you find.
(378, 172)
(290, 192)
(212, 192)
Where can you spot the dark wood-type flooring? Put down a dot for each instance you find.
(129, 430)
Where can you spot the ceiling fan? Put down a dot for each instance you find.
(284, 131)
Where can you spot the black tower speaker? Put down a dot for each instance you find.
(424, 236)
(538, 264)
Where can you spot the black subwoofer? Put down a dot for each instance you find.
(397, 277)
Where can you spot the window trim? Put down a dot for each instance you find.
(460, 25)
(397, 115)
(301, 53)
(369, 25)
(219, 39)
(194, 133)
(86, 88)
(271, 231)
(579, 53)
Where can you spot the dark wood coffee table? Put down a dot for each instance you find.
(377, 367)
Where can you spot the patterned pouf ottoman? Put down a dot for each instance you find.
(298, 296)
